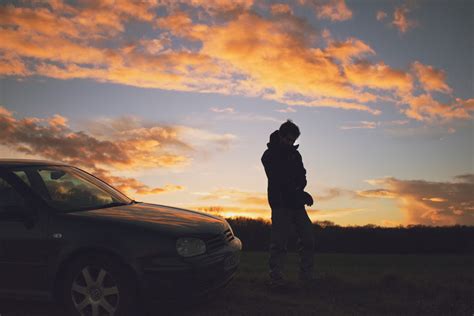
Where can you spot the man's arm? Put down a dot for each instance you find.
(300, 173)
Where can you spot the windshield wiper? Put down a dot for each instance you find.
(90, 208)
(113, 204)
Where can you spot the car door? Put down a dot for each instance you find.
(23, 249)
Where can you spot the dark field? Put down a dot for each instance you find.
(345, 285)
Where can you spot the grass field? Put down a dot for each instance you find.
(346, 285)
(354, 285)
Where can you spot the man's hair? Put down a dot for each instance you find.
(288, 128)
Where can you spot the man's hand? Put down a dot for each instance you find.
(308, 199)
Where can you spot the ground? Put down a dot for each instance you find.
(346, 285)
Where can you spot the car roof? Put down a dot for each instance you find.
(29, 162)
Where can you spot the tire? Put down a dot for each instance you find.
(97, 285)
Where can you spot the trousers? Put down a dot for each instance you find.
(282, 219)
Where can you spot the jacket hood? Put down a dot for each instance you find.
(275, 141)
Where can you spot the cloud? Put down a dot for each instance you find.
(373, 124)
(379, 76)
(361, 125)
(256, 55)
(231, 114)
(220, 7)
(212, 47)
(425, 108)
(126, 184)
(12, 65)
(281, 8)
(348, 49)
(431, 79)
(334, 193)
(119, 144)
(400, 19)
(287, 110)
(334, 10)
(430, 202)
(245, 63)
(316, 214)
(235, 196)
(223, 110)
(182, 25)
(428, 131)
(378, 193)
(381, 15)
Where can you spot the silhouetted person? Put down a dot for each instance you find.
(287, 198)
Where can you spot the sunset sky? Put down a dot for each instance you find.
(173, 102)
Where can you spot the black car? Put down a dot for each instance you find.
(67, 235)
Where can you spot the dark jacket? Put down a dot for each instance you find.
(286, 174)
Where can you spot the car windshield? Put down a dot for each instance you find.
(68, 189)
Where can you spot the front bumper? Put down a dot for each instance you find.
(194, 276)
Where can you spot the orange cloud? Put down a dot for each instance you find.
(378, 76)
(361, 125)
(334, 10)
(223, 110)
(466, 104)
(12, 65)
(429, 202)
(425, 108)
(348, 49)
(54, 140)
(51, 48)
(258, 54)
(401, 21)
(235, 51)
(221, 6)
(120, 144)
(236, 196)
(430, 78)
(381, 15)
(372, 124)
(125, 184)
(182, 25)
(281, 8)
(379, 193)
(333, 193)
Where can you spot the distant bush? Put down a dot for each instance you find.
(331, 238)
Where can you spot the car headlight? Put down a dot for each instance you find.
(188, 247)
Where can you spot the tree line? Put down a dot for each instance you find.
(331, 238)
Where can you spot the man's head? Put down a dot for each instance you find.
(289, 133)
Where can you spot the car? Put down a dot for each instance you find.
(67, 235)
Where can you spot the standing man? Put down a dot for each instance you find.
(287, 198)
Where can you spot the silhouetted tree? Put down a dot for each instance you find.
(331, 238)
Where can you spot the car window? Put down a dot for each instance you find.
(22, 175)
(68, 191)
(10, 199)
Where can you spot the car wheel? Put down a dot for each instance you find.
(96, 285)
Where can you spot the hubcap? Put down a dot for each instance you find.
(94, 292)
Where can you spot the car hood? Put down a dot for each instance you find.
(158, 217)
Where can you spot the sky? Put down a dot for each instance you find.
(173, 102)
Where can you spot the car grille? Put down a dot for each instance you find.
(219, 241)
